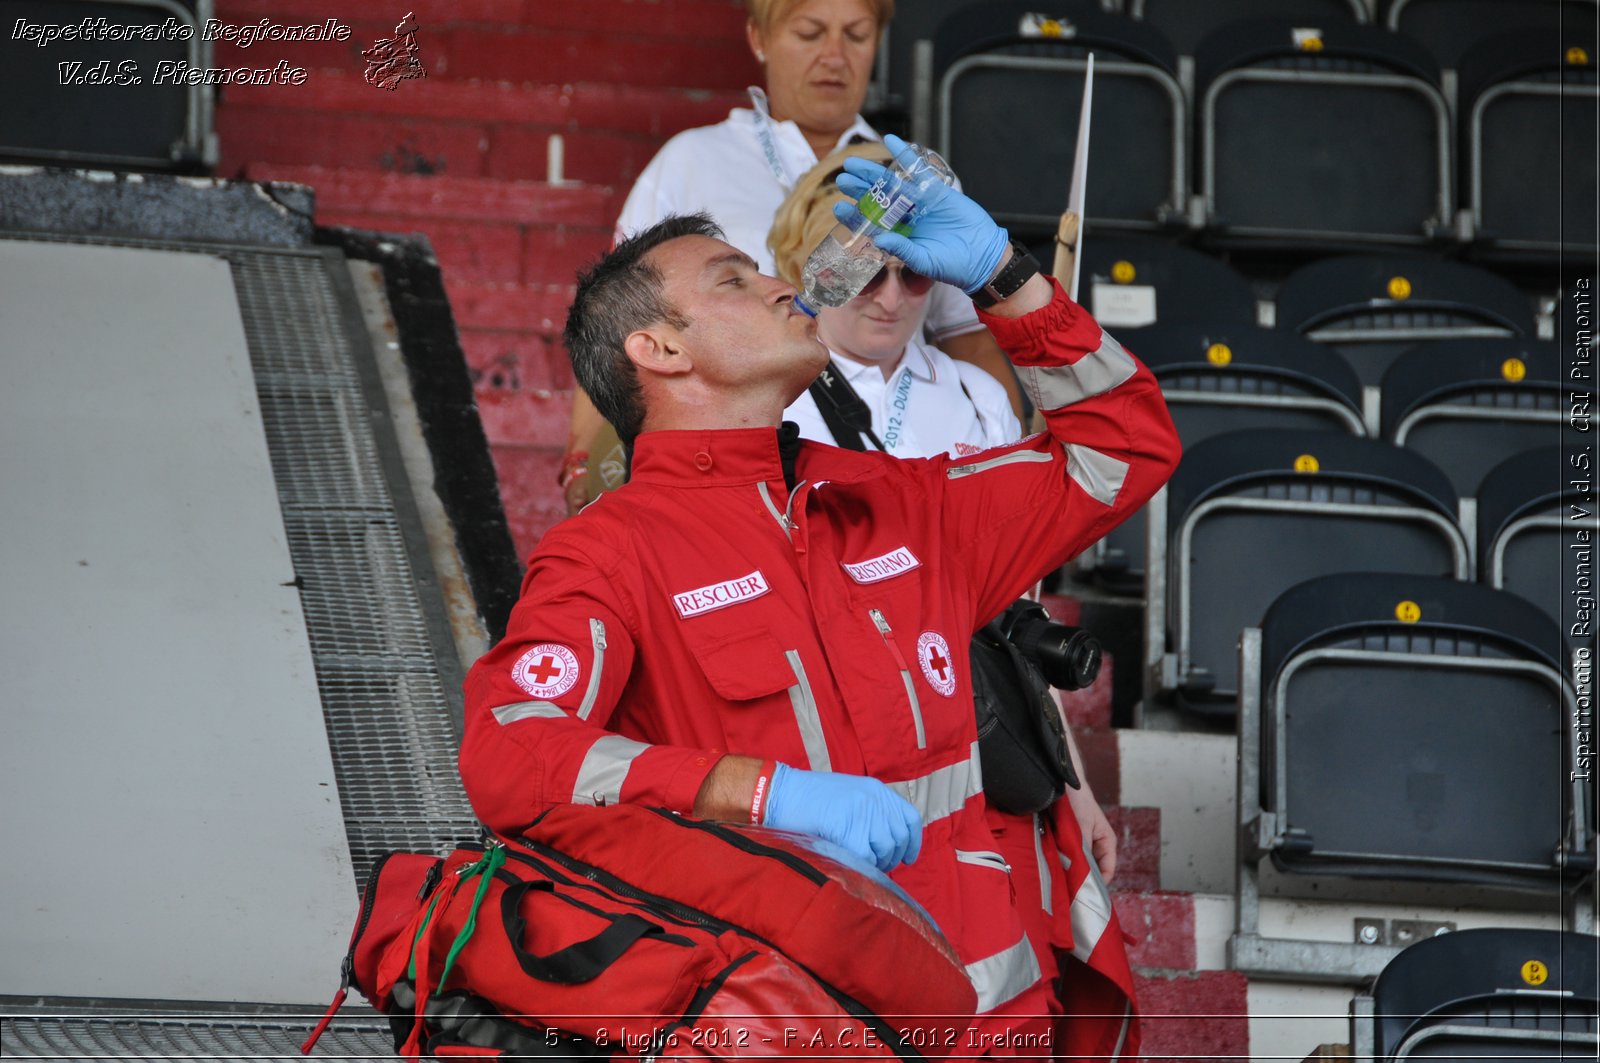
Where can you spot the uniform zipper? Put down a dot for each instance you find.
(597, 635)
(905, 673)
(783, 519)
(991, 860)
(955, 472)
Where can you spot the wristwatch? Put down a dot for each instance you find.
(1022, 268)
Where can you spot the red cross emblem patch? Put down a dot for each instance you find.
(933, 653)
(548, 670)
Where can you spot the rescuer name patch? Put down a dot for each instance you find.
(546, 671)
(718, 595)
(875, 569)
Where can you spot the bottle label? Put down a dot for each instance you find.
(885, 210)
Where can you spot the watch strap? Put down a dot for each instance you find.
(1022, 268)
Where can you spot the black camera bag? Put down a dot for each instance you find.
(1022, 741)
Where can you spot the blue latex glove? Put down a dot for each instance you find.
(952, 238)
(854, 811)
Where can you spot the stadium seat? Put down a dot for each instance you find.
(1249, 514)
(1413, 727)
(992, 59)
(1325, 136)
(895, 73)
(1489, 993)
(1447, 28)
(1531, 508)
(1466, 404)
(1219, 379)
(83, 109)
(1129, 281)
(1187, 23)
(1371, 307)
(1530, 105)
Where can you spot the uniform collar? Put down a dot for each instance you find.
(708, 457)
(728, 457)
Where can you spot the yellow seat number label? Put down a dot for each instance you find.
(1535, 973)
(1408, 612)
(1513, 369)
(1219, 354)
(1399, 288)
(1122, 271)
(1307, 463)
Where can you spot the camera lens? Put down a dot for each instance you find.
(1069, 657)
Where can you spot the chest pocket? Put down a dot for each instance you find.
(772, 709)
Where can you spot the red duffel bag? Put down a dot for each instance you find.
(635, 932)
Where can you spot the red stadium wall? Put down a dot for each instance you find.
(461, 156)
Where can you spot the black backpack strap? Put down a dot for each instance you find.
(843, 411)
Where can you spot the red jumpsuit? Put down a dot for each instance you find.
(704, 608)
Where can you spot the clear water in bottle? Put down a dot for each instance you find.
(847, 258)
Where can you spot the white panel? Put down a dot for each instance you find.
(1291, 1021)
(1191, 778)
(172, 828)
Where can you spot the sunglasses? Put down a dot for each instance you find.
(913, 282)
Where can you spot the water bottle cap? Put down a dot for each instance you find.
(801, 305)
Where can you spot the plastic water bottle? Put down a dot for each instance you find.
(847, 258)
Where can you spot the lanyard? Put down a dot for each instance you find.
(763, 126)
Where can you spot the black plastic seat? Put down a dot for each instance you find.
(1331, 136)
(1009, 89)
(1186, 23)
(1219, 379)
(80, 113)
(1531, 508)
(1423, 728)
(1372, 307)
(1251, 513)
(1466, 404)
(1447, 28)
(1130, 281)
(1530, 104)
(1490, 993)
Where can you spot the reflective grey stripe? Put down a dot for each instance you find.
(1005, 975)
(527, 710)
(603, 769)
(1044, 865)
(955, 472)
(1091, 907)
(1122, 1034)
(916, 709)
(944, 791)
(597, 636)
(807, 717)
(983, 858)
(1098, 474)
(1054, 386)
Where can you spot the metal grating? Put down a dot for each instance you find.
(389, 718)
(87, 1037)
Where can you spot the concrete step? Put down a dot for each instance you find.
(697, 42)
(1193, 1015)
(1138, 847)
(468, 128)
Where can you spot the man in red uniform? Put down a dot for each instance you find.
(755, 629)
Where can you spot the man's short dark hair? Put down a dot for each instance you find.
(620, 295)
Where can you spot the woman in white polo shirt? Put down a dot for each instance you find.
(817, 57)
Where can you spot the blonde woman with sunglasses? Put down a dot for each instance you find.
(922, 401)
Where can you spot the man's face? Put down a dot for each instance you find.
(744, 332)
